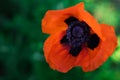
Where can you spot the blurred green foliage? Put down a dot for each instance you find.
(21, 40)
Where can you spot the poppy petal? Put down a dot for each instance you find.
(91, 21)
(80, 59)
(53, 20)
(57, 55)
(95, 58)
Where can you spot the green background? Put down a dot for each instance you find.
(21, 40)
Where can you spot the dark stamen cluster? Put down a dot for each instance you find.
(77, 34)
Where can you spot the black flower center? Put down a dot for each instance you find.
(77, 34)
(77, 31)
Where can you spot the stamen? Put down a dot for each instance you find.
(75, 51)
(70, 19)
(77, 34)
(64, 39)
(93, 41)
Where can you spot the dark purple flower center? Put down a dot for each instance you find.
(77, 34)
(77, 31)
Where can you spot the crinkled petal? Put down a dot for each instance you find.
(57, 55)
(53, 20)
(91, 21)
(99, 55)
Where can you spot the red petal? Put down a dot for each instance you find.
(99, 55)
(91, 21)
(57, 55)
(53, 20)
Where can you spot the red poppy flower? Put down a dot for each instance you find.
(76, 39)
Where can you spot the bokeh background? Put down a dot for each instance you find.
(21, 40)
